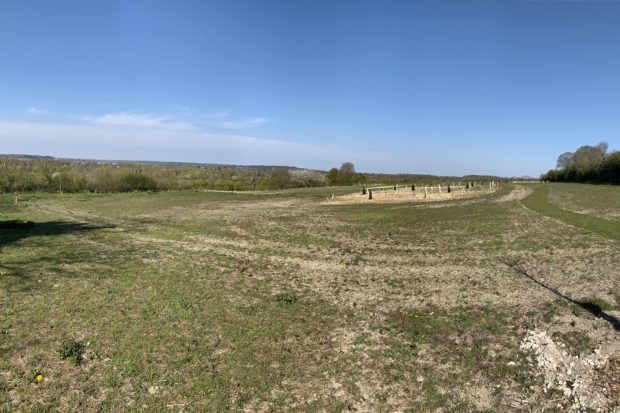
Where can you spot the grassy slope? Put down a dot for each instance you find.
(539, 202)
(598, 200)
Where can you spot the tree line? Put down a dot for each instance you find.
(24, 173)
(588, 164)
(42, 174)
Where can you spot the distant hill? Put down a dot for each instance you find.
(23, 157)
(370, 177)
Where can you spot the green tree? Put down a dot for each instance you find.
(332, 176)
(280, 178)
(610, 171)
(346, 174)
(588, 158)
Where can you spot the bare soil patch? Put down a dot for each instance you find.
(399, 195)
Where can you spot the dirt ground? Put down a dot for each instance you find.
(406, 194)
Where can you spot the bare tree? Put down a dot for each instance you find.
(346, 173)
(565, 160)
(588, 158)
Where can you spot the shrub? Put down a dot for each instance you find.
(136, 182)
(72, 350)
(286, 298)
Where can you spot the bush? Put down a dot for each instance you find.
(136, 182)
(72, 350)
(286, 298)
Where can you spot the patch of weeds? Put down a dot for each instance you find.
(286, 299)
(435, 396)
(94, 356)
(72, 350)
(183, 309)
(361, 340)
(357, 260)
(458, 337)
(383, 397)
(402, 351)
(522, 378)
(577, 342)
(435, 326)
(36, 376)
(549, 313)
(397, 377)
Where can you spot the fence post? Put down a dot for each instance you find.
(370, 194)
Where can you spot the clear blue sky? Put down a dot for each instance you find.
(442, 87)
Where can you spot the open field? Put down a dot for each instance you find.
(275, 302)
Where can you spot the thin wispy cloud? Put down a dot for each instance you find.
(182, 122)
(232, 124)
(140, 120)
(36, 111)
(223, 120)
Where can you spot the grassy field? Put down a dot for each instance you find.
(597, 200)
(545, 200)
(274, 302)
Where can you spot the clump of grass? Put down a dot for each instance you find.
(286, 298)
(522, 378)
(72, 350)
(357, 260)
(595, 305)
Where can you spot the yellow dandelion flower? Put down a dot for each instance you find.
(39, 377)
